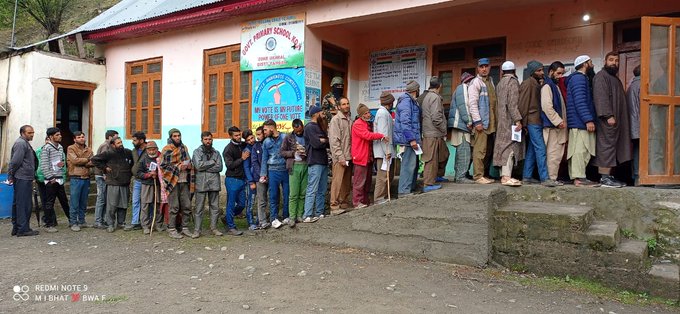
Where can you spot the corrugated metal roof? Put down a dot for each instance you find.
(131, 11)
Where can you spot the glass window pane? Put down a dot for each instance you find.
(228, 86)
(145, 121)
(157, 121)
(676, 140)
(133, 121)
(677, 62)
(212, 119)
(236, 56)
(133, 95)
(212, 88)
(137, 70)
(658, 59)
(156, 92)
(244, 115)
(217, 59)
(244, 86)
(145, 94)
(658, 118)
(447, 85)
(227, 118)
(153, 67)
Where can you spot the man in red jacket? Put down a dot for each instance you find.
(362, 156)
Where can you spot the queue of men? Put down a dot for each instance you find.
(489, 123)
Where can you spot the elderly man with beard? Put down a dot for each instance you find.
(613, 121)
(150, 195)
(117, 165)
(530, 108)
(507, 150)
(383, 152)
(179, 182)
(460, 123)
(554, 116)
(207, 165)
(407, 137)
(435, 152)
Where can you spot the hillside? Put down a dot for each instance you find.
(29, 31)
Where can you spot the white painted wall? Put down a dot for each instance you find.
(31, 94)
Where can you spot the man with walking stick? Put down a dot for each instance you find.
(150, 198)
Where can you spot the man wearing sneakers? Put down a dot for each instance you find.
(613, 135)
(316, 145)
(235, 178)
(580, 121)
(207, 166)
(78, 164)
(273, 170)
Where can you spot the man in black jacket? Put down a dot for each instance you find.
(21, 172)
(235, 180)
(316, 145)
(117, 164)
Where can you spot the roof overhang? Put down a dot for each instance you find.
(196, 16)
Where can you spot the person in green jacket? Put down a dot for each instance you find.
(42, 190)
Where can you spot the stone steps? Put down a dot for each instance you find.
(560, 240)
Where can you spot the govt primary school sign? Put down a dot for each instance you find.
(273, 43)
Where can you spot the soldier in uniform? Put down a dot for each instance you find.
(330, 100)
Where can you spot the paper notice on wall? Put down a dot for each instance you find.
(390, 70)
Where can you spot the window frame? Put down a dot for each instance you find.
(139, 79)
(219, 70)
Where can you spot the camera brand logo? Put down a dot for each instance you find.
(20, 293)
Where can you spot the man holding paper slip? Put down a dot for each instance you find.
(383, 151)
(508, 150)
(407, 137)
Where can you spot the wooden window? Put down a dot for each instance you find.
(226, 95)
(143, 97)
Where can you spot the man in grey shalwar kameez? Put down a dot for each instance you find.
(613, 121)
(117, 164)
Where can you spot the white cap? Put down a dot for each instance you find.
(507, 66)
(580, 60)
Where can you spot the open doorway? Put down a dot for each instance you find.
(73, 109)
(334, 63)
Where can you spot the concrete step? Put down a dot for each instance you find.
(450, 225)
(603, 235)
(664, 281)
(543, 221)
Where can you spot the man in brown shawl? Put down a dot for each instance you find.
(508, 151)
(178, 179)
(613, 143)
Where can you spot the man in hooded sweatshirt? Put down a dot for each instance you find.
(117, 164)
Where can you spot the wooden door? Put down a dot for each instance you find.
(660, 101)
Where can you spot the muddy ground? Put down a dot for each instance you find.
(255, 273)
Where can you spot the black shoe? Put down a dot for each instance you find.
(530, 181)
(14, 232)
(610, 182)
(28, 233)
(137, 227)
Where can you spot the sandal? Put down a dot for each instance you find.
(511, 182)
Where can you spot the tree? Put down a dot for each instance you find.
(48, 13)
